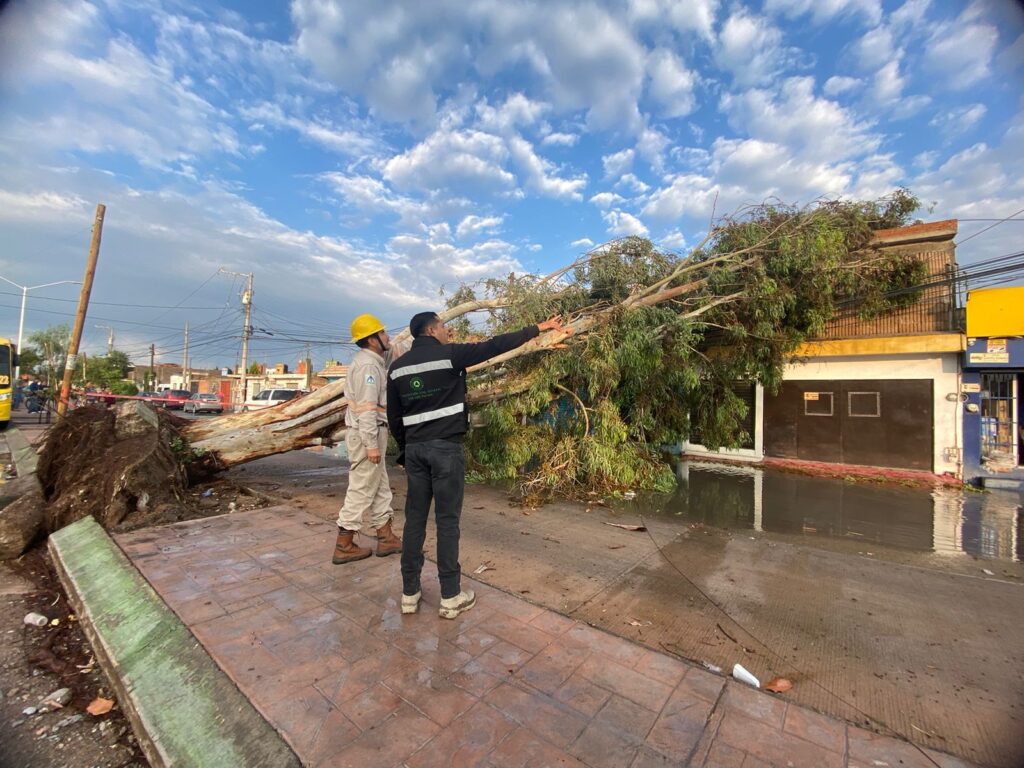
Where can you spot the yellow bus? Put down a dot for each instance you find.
(8, 360)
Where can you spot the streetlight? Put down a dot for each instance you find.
(21, 322)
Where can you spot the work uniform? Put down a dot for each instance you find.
(366, 420)
(427, 414)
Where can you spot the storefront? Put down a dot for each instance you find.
(992, 388)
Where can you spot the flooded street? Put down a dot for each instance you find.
(880, 517)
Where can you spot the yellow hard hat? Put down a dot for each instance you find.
(365, 325)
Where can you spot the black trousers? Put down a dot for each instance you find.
(436, 471)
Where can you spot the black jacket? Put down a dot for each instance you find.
(427, 386)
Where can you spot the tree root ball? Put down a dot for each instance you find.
(118, 465)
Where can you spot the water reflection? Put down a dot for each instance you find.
(944, 521)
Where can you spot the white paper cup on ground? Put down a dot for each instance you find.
(741, 674)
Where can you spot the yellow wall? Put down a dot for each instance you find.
(996, 311)
(883, 345)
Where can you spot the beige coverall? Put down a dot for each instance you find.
(367, 422)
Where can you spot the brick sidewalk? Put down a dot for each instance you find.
(326, 657)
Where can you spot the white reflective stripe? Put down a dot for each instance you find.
(409, 370)
(440, 413)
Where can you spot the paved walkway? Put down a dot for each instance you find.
(326, 657)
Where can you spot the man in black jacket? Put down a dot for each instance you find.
(427, 416)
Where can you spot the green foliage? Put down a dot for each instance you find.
(594, 419)
(106, 372)
(52, 344)
(124, 388)
(29, 360)
(254, 370)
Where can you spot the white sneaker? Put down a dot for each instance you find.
(451, 607)
(411, 603)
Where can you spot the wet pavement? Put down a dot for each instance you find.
(325, 655)
(925, 640)
(945, 521)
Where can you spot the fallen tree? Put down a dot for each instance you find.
(656, 339)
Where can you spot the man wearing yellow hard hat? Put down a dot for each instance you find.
(366, 440)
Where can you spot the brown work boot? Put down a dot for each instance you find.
(387, 542)
(346, 550)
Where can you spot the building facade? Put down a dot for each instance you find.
(880, 392)
(993, 380)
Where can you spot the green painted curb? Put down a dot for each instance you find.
(185, 711)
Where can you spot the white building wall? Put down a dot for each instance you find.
(942, 368)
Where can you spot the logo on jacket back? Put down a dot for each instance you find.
(416, 383)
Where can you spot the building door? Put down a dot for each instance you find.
(873, 422)
(999, 418)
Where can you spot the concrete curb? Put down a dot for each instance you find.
(23, 454)
(184, 710)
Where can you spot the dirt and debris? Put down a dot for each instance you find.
(49, 680)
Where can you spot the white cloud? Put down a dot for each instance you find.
(517, 111)
(622, 224)
(961, 51)
(607, 199)
(877, 48)
(450, 159)
(986, 180)
(535, 247)
(560, 139)
(322, 132)
(583, 242)
(539, 175)
(41, 206)
(582, 57)
(674, 240)
(840, 84)
(910, 15)
(631, 183)
(372, 196)
(471, 226)
(671, 83)
(814, 128)
(115, 97)
(958, 120)
(751, 48)
(693, 16)
(825, 10)
(618, 163)
(651, 146)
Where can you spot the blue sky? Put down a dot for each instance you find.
(364, 156)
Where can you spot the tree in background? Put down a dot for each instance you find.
(103, 372)
(52, 343)
(29, 360)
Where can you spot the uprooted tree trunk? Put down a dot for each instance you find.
(651, 333)
(123, 466)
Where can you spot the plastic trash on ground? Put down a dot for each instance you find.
(744, 676)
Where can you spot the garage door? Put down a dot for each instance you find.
(881, 423)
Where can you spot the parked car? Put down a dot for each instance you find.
(268, 398)
(174, 399)
(150, 397)
(204, 402)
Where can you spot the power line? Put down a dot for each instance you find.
(104, 303)
(986, 229)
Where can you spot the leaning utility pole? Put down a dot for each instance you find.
(83, 307)
(185, 378)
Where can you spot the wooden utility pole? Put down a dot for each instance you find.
(185, 378)
(152, 370)
(83, 307)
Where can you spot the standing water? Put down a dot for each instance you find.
(944, 521)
